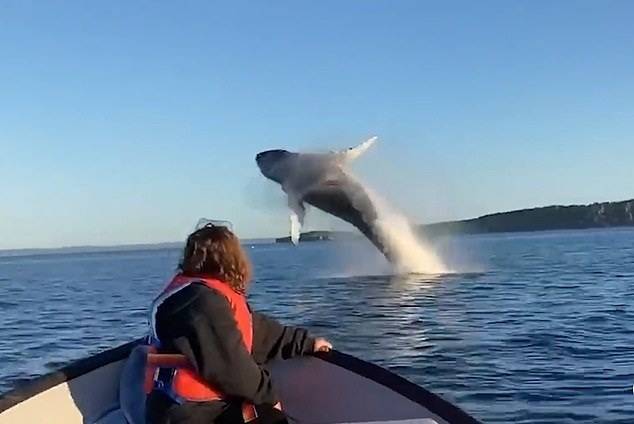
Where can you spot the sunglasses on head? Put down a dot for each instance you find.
(204, 222)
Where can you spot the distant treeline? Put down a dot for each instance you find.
(596, 215)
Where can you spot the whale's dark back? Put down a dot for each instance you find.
(359, 211)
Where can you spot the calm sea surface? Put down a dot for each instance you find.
(536, 328)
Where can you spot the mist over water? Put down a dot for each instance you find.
(411, 253)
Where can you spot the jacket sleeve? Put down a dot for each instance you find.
(272, 340)
(207, 334)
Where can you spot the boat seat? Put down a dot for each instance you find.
(131, 390)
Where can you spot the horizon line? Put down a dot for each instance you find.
(272, 238)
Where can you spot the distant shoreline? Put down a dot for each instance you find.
(557, 217)
(109, 248)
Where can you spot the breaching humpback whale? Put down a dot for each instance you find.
(321, 180)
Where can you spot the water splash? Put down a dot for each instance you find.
(411, 253)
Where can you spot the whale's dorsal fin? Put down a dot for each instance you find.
(352, 153)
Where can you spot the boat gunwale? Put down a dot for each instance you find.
(417, 394)
(68, 372)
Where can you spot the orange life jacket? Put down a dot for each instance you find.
(186, 383)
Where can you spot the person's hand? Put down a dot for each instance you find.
(322, 345)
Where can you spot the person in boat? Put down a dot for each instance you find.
(203, 315)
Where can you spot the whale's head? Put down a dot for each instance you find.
(274, 163)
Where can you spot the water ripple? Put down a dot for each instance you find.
(543, 336)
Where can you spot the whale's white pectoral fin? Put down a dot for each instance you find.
(295, 228)
(354, 152)
(298, 211)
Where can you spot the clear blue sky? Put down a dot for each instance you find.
(124, 122)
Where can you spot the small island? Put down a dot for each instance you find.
(320, 236)
(572, 217)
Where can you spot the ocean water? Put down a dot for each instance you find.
(538, 328)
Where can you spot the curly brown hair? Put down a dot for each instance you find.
(214, 251)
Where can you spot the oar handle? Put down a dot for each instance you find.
(168, 360)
